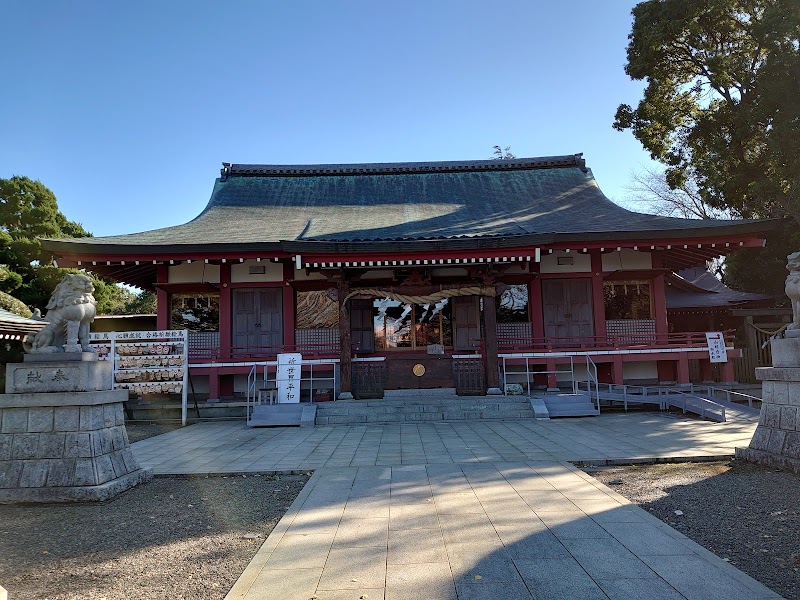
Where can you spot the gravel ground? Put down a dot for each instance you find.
(744, 513)
(141, 431)
(170, 538)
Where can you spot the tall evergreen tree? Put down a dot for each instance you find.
(722, 104)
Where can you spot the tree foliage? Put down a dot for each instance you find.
(28, 211)
(501, 153)
(684, 200)
(722, 102)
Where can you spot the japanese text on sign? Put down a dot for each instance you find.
(716, 347)
(287, 377)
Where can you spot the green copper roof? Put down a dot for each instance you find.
(529, 200)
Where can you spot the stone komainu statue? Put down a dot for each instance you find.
(69, 313)
(793, 287)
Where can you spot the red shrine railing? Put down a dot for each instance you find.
(505, 344)
(199, 354)
(644, 341)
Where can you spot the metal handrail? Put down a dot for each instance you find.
(528, 373)
(711, 391)
(660, 396)
(606, 342)
(703, 402)
(267, 381)
(591, 375)
(252, 378)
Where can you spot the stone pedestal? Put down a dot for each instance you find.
(776, 441)
(58, 376)
(67, 445)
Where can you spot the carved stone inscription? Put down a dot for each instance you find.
(41, 378)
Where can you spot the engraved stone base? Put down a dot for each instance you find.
(776, 441)
(58, 376)
(65, 447)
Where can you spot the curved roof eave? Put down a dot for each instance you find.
(85, 246)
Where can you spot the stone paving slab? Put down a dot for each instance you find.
(228, 447)
(582, 552)
(466, 510)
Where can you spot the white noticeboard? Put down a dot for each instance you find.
(287, 377)
(716, 347)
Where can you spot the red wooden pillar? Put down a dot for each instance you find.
(726, 372)
(535, 309)
(289, 307)
(163, 307)
(345, 342)
(705, 371)
(225, 311)
(619, 370)
(213, 384)
(490, 344)
(536, 317)
(683, 368)
(666, 371)
(552, 380)
(223, 385)
(597, 297)
(659, 297)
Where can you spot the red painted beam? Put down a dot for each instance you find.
(225, 310)
(163, 304)
(598, 305)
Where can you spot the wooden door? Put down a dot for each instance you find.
(567, 309)
(257, 320)
(466, 322)
(362, 332)
(270, 320)
(245, 317)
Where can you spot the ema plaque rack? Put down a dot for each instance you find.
(147, 362)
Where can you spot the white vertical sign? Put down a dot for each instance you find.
(287, 377)
(716, 347)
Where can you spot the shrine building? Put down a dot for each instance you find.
(508, 269)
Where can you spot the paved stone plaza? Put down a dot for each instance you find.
(229, 446)
(466, 510)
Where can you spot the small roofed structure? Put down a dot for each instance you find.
(696, 299)
(15, 327)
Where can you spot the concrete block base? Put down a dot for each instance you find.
(776, 441)
(65, 447)
(84, 493)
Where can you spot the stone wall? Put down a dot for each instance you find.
(776, 441)
(61, 446)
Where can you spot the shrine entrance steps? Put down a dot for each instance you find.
(570, 405)
(427, 406)
(282, 415)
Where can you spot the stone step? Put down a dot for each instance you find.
(414, 410)
(570, 405)
(282, 415)
(452, 409)
(436, 401)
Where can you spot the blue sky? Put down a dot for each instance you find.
(126, 110)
